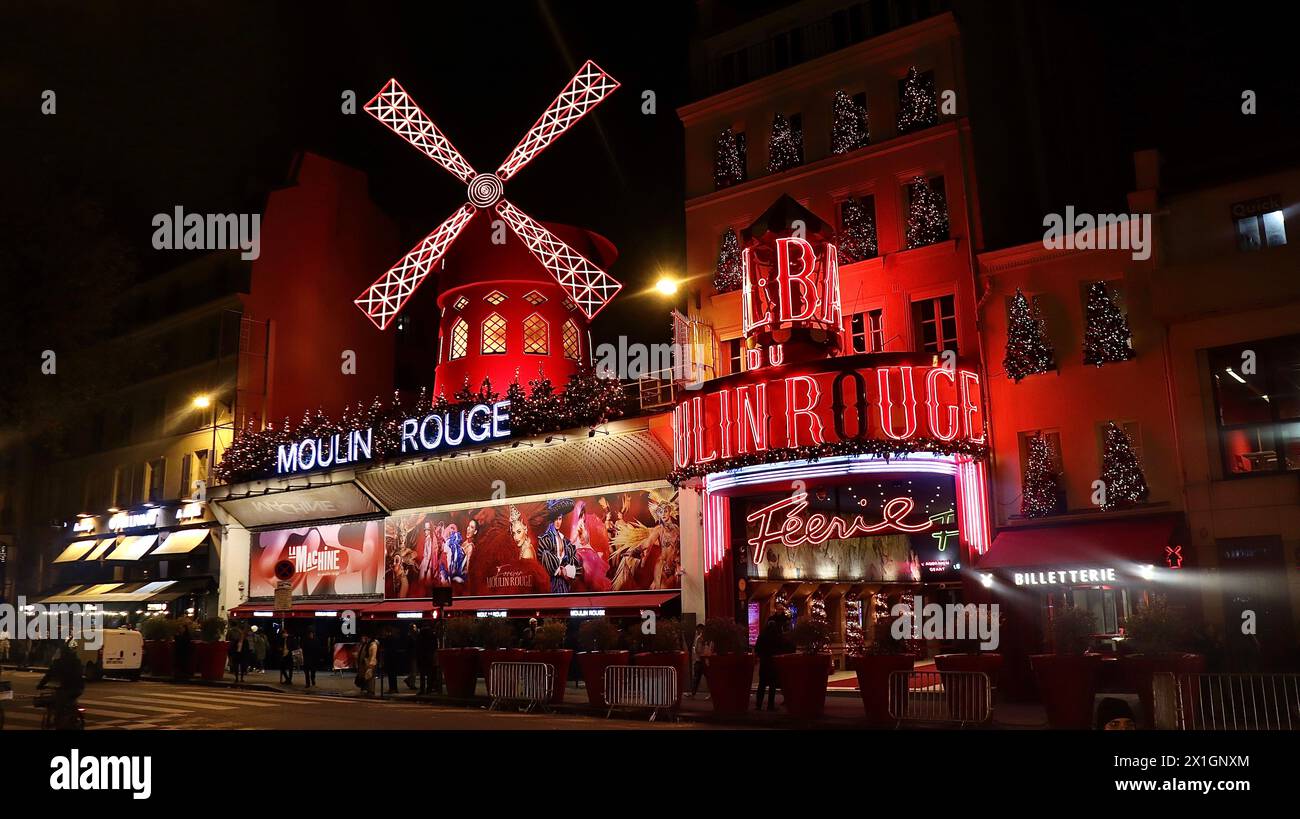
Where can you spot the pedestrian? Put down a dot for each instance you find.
(701, 649)
(181, 654)
(426, 648)
(288, 645)
(4, 647)
(260, 646)
(393, 648)
(239, 651)
(367, 664)
(769, 644)
(530, 633)
(311, 654)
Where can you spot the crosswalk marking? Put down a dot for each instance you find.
(219, 699)
(134, 707)
(188, 704)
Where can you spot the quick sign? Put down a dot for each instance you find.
(1064, 577)
(133, 520)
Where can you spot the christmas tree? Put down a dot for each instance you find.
(857, 236)
(1027, 349)
(849, 129)
(591, 399)
(1121, 471)
(783, 145)
(522, 420)
(1041, 493)
(727, 275)
(855, 642)
(1106, 337)
(927, 215)
(917, 108)
(728, 164)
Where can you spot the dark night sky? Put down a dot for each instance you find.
(202, 104)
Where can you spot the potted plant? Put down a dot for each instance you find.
(1156, 636)
(1067, 680)
(459, 660)
(212, 651)
(159, 650)
(730, 670)
(974, 661)
(597, 650)
(665, 646)
(881, 658)
(497, 637)
(803, 675)
(548, 647)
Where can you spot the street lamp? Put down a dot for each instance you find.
(667, 285)
(202, 401)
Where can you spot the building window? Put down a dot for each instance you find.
(1261, 230)
(460, 303)
(867, 331)
(459, 340)
(735, 355)
(187, 467)
(124, 486)
(1257, 405)
(157, 475)
(494, 335)
(534, 298)
(495, 297)
(571, 340)
(936, 324)
(536, 335)
(1056, 466)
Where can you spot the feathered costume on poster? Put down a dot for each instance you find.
(648, 556)
(595, 568)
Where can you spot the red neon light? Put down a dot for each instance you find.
(932, 404)
(801, 289)
(795, 411)
(682, 434)
(587, 285)
(753, 418)
(973, 504)
(1174, 557)
(795, 530)
(697, 431)
(970, 406)
(804, 278)
(751, 290)
(724, 404)
(887, 403)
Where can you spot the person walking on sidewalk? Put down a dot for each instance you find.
(367, 664)
(288, 645)
(181, 652)
(701, 651)
(770, 643)
(240, 651)
(426, 647)
(310, 658)
(412, 648)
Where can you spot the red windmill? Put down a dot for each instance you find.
(588, 286)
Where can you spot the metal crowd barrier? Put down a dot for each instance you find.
(963, 697)
(1234, 702)
(641, 686)
(530, 683)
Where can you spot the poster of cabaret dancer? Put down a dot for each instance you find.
(570, 544)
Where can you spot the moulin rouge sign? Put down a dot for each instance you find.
(780, 404)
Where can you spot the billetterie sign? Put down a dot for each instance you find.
(434, 432)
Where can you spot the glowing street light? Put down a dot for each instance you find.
(666, 286)
(202, 401)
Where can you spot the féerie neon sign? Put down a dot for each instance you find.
(783, 522)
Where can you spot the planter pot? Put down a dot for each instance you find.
(159, 655)
(491, 656)
(730, 678)
(212, 658)
(561, 658)
(1067, 685)
(803, 679)
(1139, 669)
(679, 660)
(967, 698)
(592, 664)
(873, 672)
(459, 670)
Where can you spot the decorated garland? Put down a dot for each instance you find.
(588, 400)
(875, 448)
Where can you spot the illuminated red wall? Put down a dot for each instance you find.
(322, 242)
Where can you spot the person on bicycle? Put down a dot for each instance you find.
(66, 672)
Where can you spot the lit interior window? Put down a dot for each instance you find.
(494, 335)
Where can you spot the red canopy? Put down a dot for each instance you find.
(303, 608)
(1141, 540)
(613, 603)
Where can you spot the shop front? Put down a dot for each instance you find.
(1108, 568)
(832, 486)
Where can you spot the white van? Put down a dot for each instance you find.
(120, 655)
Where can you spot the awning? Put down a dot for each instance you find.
(400, 609)
(302, 608)
(103, 546)
(1086, 544)
(182, 542)
(614, 604)
(76, 550)
(98, 593)
(133, 548)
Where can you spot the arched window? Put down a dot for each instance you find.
(536, 335)
(571, 342)
(494, 335)
(459, 340)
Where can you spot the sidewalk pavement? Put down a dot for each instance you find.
(843, 706)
